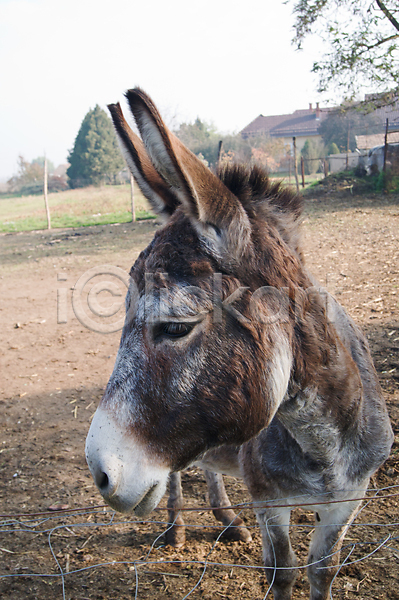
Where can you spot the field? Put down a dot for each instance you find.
(54, 369)
(73, 208)
(94, 205)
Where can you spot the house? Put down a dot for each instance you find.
(303, 124)
(372, 145)
(388, 112)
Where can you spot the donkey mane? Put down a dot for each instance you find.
(273, 208)
(265, 199)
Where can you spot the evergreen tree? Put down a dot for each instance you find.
(311, 151)
(95, 157)
(332, 148)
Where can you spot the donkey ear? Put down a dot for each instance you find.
(154, 187)
(216, 212)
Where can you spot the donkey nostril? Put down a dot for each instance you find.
(103, 481)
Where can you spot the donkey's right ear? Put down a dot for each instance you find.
(162, 199)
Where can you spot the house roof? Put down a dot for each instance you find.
(299, 123)
(365, 142)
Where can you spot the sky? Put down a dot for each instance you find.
(225, 61)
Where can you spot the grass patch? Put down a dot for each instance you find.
(289, 179)
(387, 182)
(73, 208)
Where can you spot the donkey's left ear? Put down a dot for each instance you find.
(216, 212)
(154, 188)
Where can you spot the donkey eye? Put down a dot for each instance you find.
(177, 329)
(174, 330)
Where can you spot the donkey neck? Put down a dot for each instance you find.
(322, 416)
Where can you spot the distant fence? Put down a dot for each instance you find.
(309, 170)
(302, 170)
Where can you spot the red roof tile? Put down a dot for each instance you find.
(299, 123)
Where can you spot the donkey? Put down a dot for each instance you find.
(231, 357)
(221, 508)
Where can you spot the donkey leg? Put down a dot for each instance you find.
(175, 535)
(325, 547)
(217, 498)
(278, 556)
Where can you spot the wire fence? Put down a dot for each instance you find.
(50, 558)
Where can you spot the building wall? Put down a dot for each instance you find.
(337, 162)
(301, 140)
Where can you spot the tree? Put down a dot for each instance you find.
(201, 137)
(29, 178)
(40, 161)
(95, 157)
(342, 125)
(363, 37)
(332, 148)
(312, 151)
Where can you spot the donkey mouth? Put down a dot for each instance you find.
(148, 502)
(123, 504)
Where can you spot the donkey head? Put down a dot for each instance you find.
(203, 359)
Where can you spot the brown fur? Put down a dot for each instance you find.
(268, 366)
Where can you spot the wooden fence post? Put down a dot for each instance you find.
(325, 165)
(295, 165)
(384, 168)
(303, 171)
(220, 150)
(45, 186)
(347, 151)
(132, 198)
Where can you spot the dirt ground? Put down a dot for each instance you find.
(54, 369)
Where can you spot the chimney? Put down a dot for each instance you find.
(310, 106)
(317, 111)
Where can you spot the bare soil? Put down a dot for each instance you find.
(54, 370)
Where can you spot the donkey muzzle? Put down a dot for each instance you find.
(127, 475)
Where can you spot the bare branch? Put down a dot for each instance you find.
(388, 14)
(367, 47)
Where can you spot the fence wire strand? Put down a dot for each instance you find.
(51, 525)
